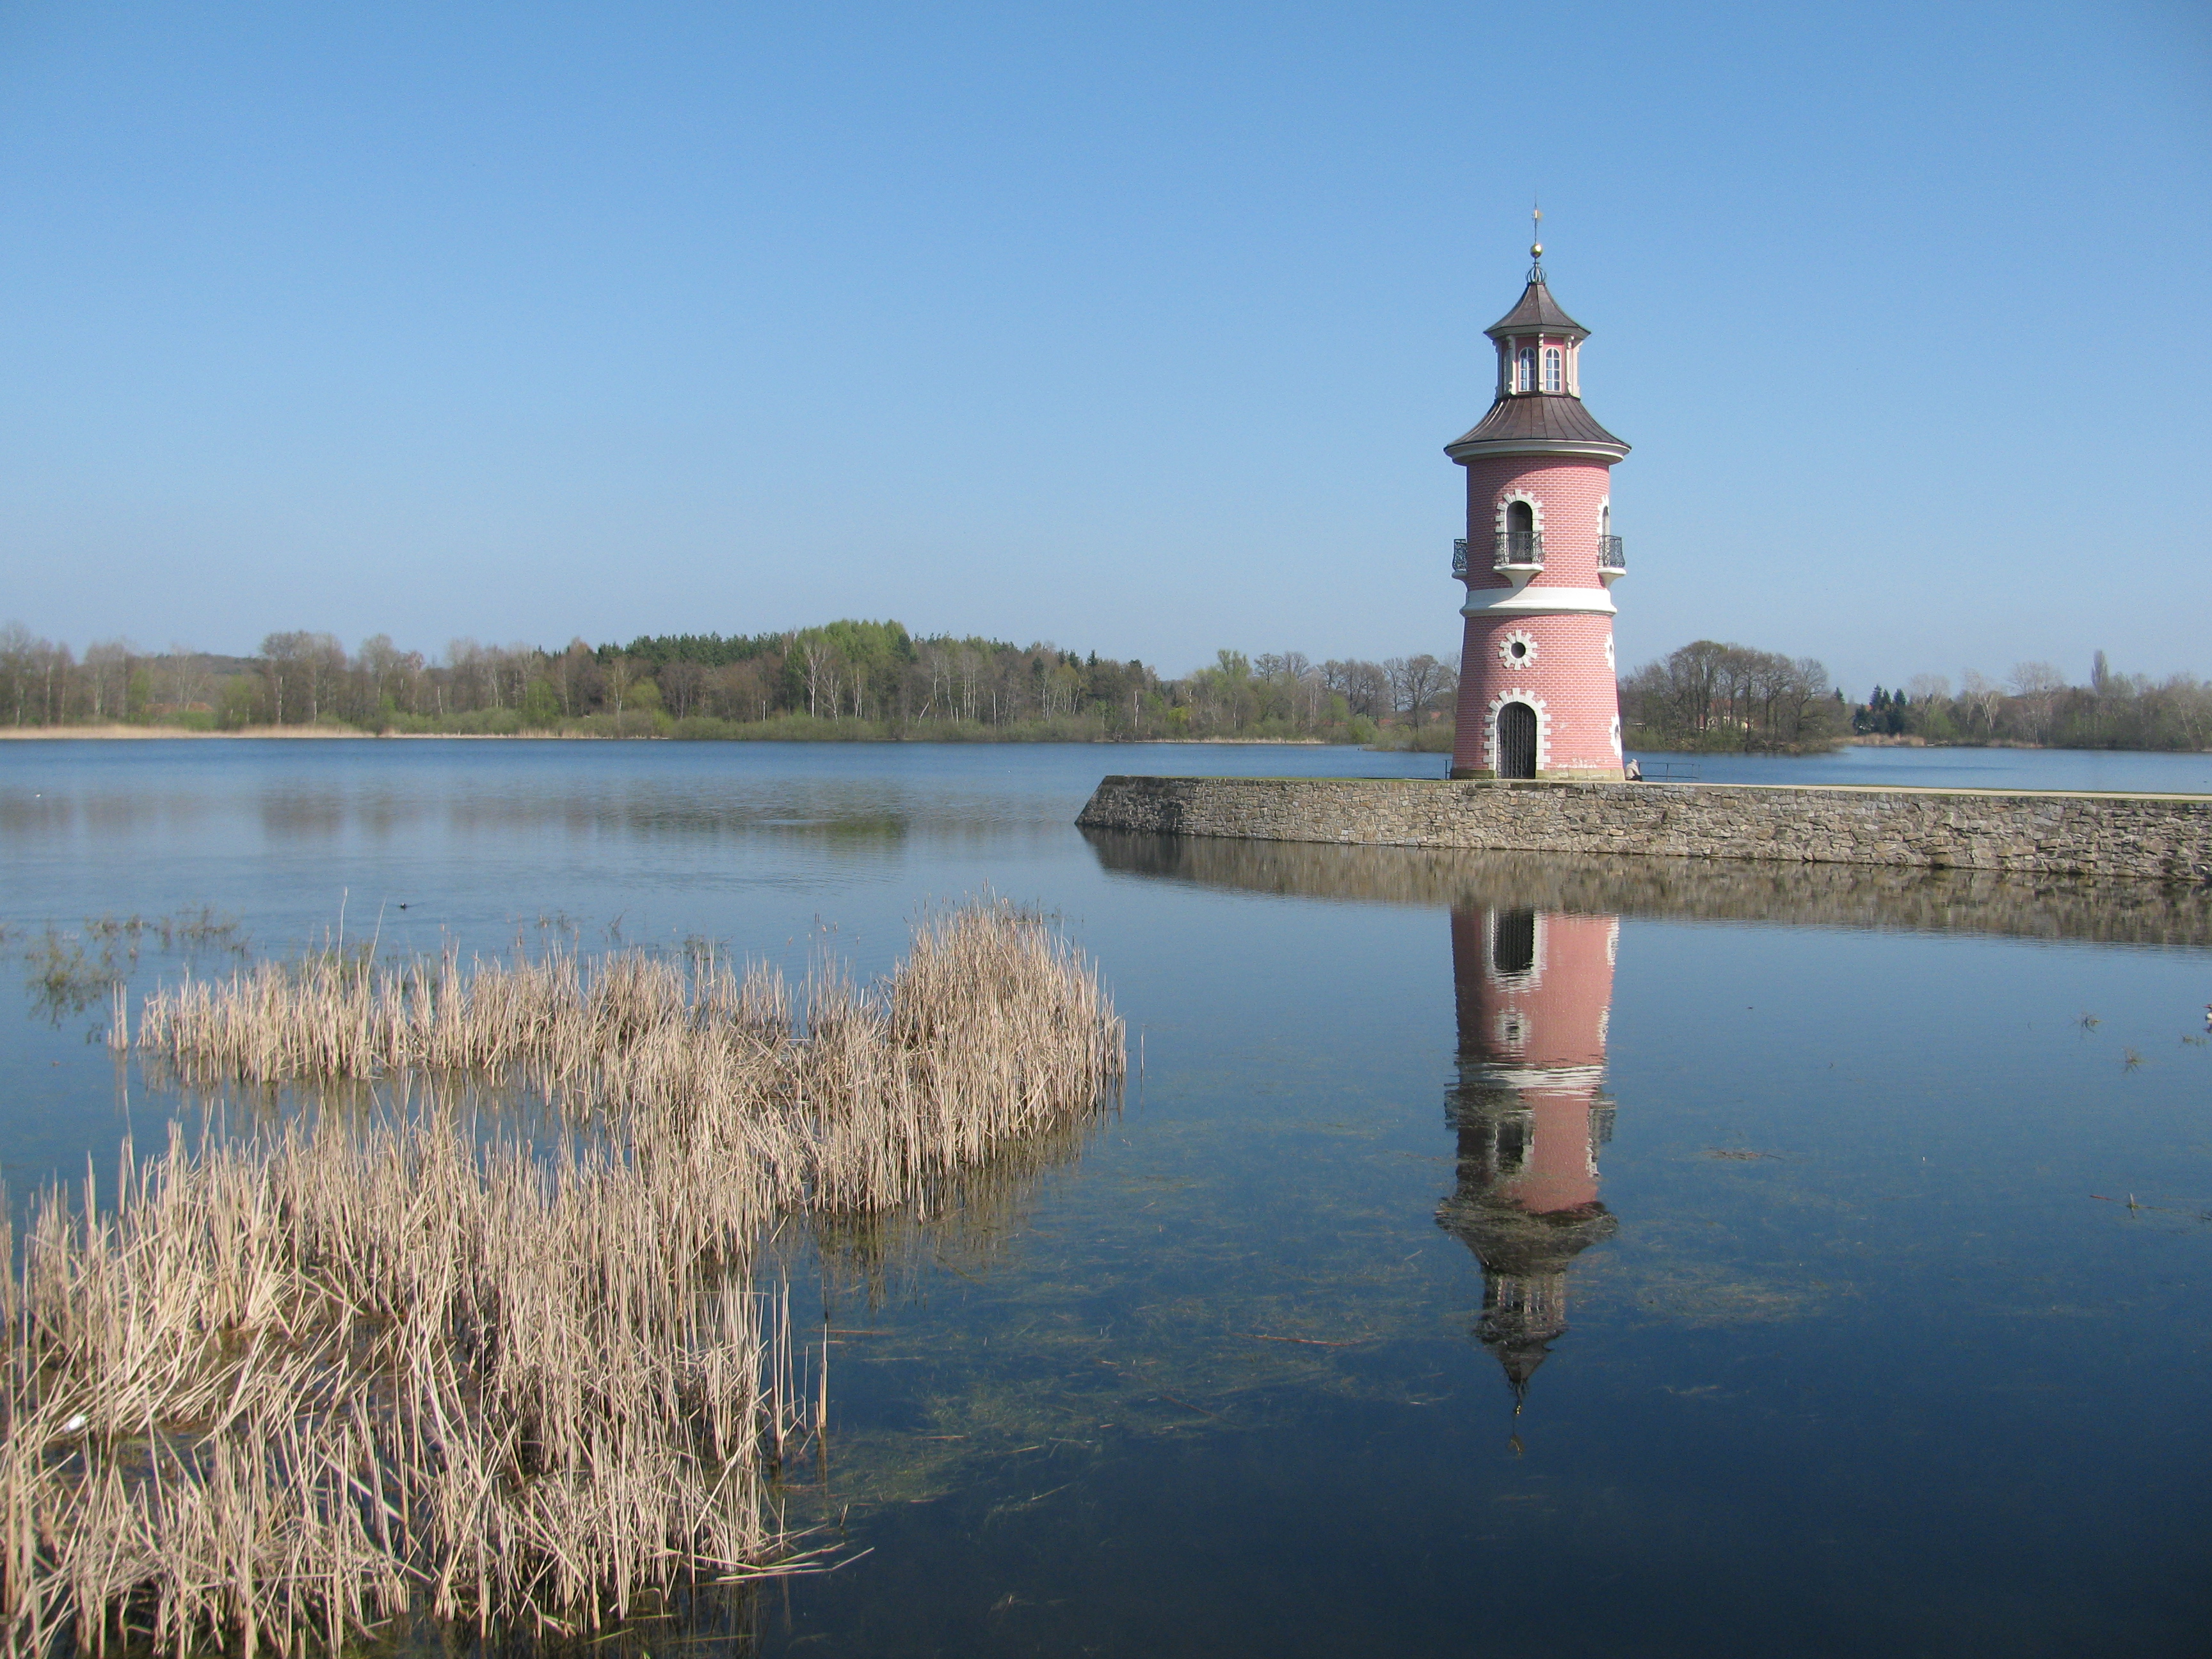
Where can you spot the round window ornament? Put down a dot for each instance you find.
(1517, 650)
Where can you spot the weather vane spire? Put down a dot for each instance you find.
(1536, 240)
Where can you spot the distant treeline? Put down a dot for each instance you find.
(2035, 705)
(1709, 696)
(875, 680)
(845, 679)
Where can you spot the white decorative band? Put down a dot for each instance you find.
(1534, 1077)
(1484, 448)
(1535, 601)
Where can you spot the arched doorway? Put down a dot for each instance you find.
(1517, 741)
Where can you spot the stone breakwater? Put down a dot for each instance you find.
(2145, 837)
(1857, 896)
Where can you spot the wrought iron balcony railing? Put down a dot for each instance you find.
(1459, 557)
(1519, 550)
(1609, 555)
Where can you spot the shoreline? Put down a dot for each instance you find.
(290, 734)
(117, 732)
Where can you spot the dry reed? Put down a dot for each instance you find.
(991, 1029)
(295, 1383)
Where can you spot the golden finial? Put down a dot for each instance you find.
(1536, 235)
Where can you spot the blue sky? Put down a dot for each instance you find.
(1140, 329)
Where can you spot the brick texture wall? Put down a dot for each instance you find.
(1568, 676)
(1567, 495)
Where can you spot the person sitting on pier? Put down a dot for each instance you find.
(1633, 772)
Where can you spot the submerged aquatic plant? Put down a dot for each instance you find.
(71, 971)
(346, 1366)
(67, 979)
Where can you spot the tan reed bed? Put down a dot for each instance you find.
(991, 1029)
(302, 1382)
(289, 1385)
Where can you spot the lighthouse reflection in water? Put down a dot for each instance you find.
(1535, 992)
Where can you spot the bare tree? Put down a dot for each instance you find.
(741, 692)
(465, 674)
(682, 686)
(619, 676)
(380, 664)
(2036, 686)
(1414, 681)
(818, 658)
(19, 667)
(280, 659)
(107, 677)
(1363, 685)
(1981, 696)
(576, 675)
(187, 672)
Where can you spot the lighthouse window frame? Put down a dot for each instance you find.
(1525, 374)
(1555, 369)
(1501, 522)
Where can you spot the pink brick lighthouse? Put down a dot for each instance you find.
(1536, 696)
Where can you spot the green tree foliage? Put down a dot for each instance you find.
(876, 680)
(847, 678)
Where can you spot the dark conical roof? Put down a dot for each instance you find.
(1540, 421)
(1508, 1239)
(1538, 313)
(1530, 422)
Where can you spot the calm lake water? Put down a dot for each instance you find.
(1493, 1255)
(1971, 768)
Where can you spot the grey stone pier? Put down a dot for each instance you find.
(2142, 837)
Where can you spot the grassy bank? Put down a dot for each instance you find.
(634, 724)
(702, 728)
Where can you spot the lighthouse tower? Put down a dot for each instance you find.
(1536, 694)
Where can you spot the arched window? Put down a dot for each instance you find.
(1520, 544)
(1555, 371)
(1528, 381)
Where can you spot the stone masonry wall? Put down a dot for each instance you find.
(2154, 837)
(1893, 897)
